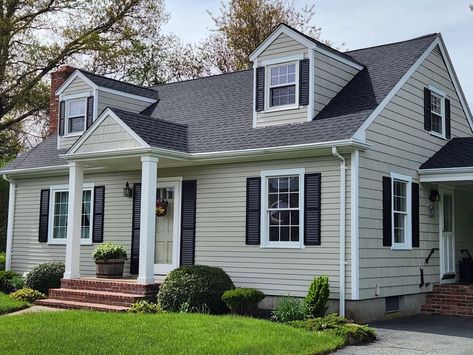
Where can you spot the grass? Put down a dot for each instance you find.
(79, 332)
(8, 305)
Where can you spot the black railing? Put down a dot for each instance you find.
(432, 251)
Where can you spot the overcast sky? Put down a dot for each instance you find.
(362, 23)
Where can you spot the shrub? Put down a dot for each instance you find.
(2, 261)
(145, 307)
(45, 276)
(288, 309)
(27, 294)
(10, 281)
(317, 298)
(200, 286)
(242, 300)
(107, 251)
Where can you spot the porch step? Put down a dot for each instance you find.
(94, 296)
(128, 286)
(51, 302)
(452, 299)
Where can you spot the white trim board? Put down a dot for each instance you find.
(354, 224)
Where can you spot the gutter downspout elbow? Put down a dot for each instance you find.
(336, 154)
(11, 212)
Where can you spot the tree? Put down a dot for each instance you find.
(243, 24)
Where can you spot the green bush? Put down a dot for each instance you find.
(200, 287)
(145, 307)
(288, 309)
(242, 301)
(27, 294)
(10, 281)
(317, 298)
(107, 251)
(45, 276)
(2, 261)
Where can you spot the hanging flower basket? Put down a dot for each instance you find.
(161, 207)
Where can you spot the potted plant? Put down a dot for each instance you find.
(109, 260)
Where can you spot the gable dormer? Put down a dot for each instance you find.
(82, 97)
(295, 77)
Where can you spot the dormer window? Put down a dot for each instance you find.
(75, 115)
(282, 86)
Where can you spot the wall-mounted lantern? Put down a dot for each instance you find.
(434, 196)
(127, 191)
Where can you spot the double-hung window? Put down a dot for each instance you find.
(283, 85)
(437, 112)
(282, 212)
(75, 115)
(401, 192)
(58, 215)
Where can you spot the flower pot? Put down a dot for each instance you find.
(109, 269)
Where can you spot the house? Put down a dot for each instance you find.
(355, 165)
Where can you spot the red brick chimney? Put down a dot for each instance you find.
(57, 78)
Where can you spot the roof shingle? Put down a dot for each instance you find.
(455, 154)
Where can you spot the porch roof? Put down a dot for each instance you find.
(458, 153)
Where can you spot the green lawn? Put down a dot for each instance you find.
(8, 305)
(77, 332)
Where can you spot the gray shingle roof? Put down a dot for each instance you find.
(455, 154)
(113, 84)
(218, 113)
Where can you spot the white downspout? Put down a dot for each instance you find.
(336, 154)
(11, 215)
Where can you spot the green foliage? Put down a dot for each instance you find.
(145, 307)
(200, 286)
(8, 305)
(108, 251)
(351, 333)
(317, 297)
(242, 301)
(2, 261)
(10, 281)
(288, 309)
(27, 294)
(45, 276)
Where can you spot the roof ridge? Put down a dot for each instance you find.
(203, 77)
(150, 88)
(392, 43)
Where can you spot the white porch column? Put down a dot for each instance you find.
(149, 175)
(74, 211)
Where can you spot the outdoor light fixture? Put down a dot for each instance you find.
(434, 196)
(127, 191)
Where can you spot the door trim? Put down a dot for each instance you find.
(446, 277)
(176, 182)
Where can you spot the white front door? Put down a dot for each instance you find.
(447, 236)
(166, 251)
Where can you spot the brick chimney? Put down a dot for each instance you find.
(57, 78)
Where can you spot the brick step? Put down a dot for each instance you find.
(108, 285)
(93, 296)
(448, 310)
(50, 302)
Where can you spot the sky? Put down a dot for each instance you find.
(361, 23)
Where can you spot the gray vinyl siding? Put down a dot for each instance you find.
(400, 144)
(283, 46)
(220, 225)
(108, 136)
(107, 99)
(330, 76)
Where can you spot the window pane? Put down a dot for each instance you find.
(447, 213)
(284, 237)
(284, 218)
(436, 124)
(283, 184)
(294, 218)
(294, 183)
(294, 234)
(86, 205)
(436, 104)
(399, 227)
(283, 200)
(76, 108)
(283, 95)
(273, 184)
(273, 201)
(274, 234)
(400, 196)
(274, 218)
(60, 215)
(76, 124)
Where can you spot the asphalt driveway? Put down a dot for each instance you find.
(421, 334)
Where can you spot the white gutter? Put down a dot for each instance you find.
(11, 216)
(336, 154)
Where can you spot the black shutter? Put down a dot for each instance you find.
(304, 82)
(188, 214)
(90, 111)
(135, 229)
(448, 129)
(387, 212)
(253, 211)
(427, 111)
(62, 115)
(99, 204)
(312, 209)
(415, 215)
(43, 216)
(259, 99)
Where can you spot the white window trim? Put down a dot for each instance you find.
(407, 245)
(265, 243)
(267, 84)
(442, 95)
(52, 196)
(66, 116)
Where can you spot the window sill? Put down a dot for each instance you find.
(438, 135)
(282, 246)
(401, 247)
(281, 108)
(60, 242)
(75, 134)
